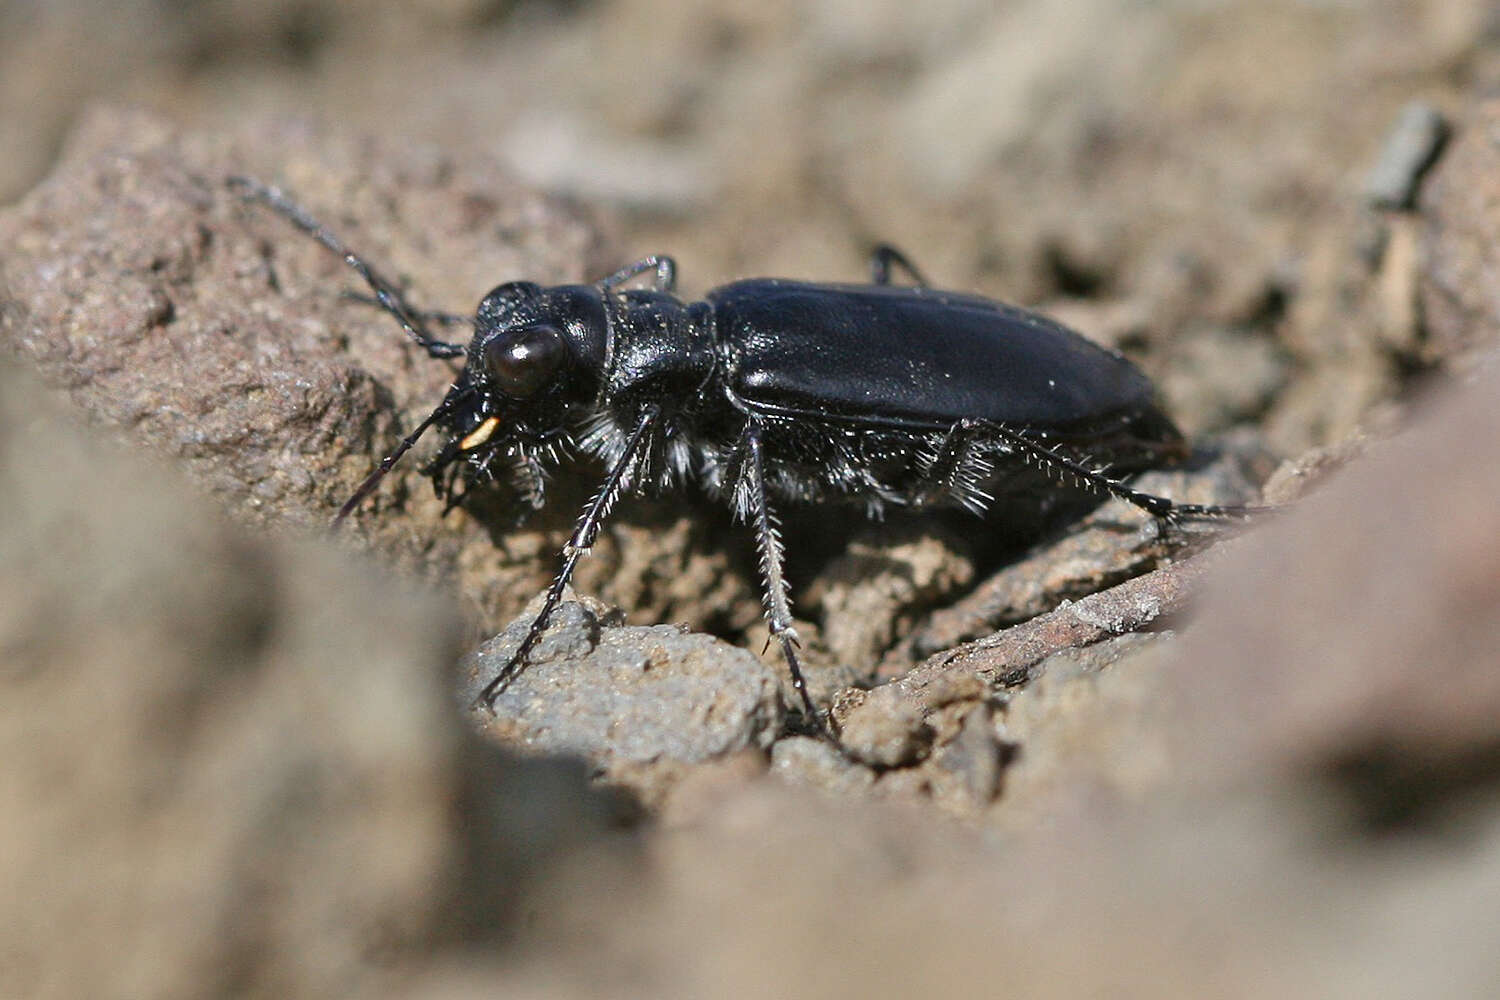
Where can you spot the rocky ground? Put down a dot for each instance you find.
(1107, 761)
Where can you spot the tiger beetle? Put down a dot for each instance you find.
(880, 395)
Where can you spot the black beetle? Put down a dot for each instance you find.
(879, 394)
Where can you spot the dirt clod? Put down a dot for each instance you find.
(635, 694)
(884, 729)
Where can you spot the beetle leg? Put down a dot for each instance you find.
(450, 494)
(956, 470)
(665, 268)
(386, 294)
(884, 257)
(772, 558)
(530, 483)
(1164, 510)
(583, 539)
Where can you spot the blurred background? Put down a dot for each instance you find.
(233, 765)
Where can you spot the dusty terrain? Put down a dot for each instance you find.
(1101, 761)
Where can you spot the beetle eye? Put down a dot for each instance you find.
(524, 362)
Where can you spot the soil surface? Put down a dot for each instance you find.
(1079, 754)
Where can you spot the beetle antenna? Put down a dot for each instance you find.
(386, 464)
(385, 294)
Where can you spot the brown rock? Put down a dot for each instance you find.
(1461, 242)
(884, 729)
(217, 334)
(1363, 632)
(625, 694)
(231, 766)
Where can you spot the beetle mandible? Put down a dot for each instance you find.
(877, 394)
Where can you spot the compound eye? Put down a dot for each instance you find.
(524, 362)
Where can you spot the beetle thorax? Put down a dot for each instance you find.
(659, 349)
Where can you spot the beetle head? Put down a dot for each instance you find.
(534, 363)
(532, 373)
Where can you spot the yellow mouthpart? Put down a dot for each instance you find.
(480, 434)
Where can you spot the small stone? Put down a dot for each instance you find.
(625, 695)
(1411, 146)
(885, 729)
(1460, 251)
(813, 762)
(964, 774)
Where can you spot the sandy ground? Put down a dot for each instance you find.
(1095, 761)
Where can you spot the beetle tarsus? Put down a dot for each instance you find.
(884, 257)
(1164, 510)
(518, 659)
(664, 266)
(584, 535)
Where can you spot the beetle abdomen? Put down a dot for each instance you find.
(926, 356)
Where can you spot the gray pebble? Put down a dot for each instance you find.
(626, 694)
(886, 729)
(808, 761)
(965, 772)
(1411, 146)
